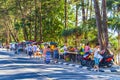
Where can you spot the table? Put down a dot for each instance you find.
(72, 55)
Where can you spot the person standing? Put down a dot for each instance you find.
(65, 50)
(56, 54)
(47, 54)
(30, 50)
(34, 48)
(87, 48)
(97, 57)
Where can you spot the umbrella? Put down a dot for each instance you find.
(53, 43)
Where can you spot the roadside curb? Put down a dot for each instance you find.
(88, 68)
(109, 70)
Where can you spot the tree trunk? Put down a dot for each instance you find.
(83, 12)
(35, 29)
(105, 24)
(65, 9)
(12, 35)
(87, 10)
(16, 35)
(118, 9)
(25, 33)
(30, 27)
(6, 24)
(30, 30)
(98, 23)
(12, 32)
(118, 48)
(41, 37)
(76, 24)
(23, 16)
(91, 9)
(84, 18)
(7, 36)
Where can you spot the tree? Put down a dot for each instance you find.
(102, 27)
(114, 24)
(65, 7)
(45, 20)
(41, 37)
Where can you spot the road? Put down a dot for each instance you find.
(13, 67)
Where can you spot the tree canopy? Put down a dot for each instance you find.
(57, 20)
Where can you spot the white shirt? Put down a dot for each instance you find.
(34, 48)
(38, 49)
(65, 49)
(30, 48)
(96, 53)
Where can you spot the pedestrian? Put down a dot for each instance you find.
(45, 49)
(30, 50)
(47, 54)
(97, 57)
(37, 54)
(7, 46)
(65, 51)
(87, 48)
(34, 48)
(26, 49)
(56, 54)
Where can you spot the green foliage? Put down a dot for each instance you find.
(67, 32)
(17, 26)
(114, 23)
(22, 16)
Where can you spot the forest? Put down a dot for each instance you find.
(71, 21)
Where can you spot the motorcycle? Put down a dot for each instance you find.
(107, 60)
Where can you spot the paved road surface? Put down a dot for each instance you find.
(14, 67)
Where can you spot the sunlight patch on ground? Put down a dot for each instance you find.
(17, 71)
(1, 49)
(26, 70)
(97, 77)
(27, 79)
(50, 79)
(4, 56)
(17, 64)
(55, 68)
